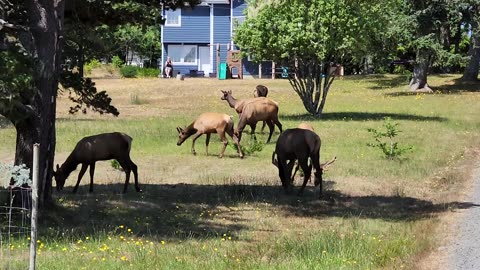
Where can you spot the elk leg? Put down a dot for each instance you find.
(135, 175)
(92, 171)
(290, 168)
(207, 141)
(307, 170)
(279, 125)
(285, 172)
(195, 137)
(253, 127)
(263, 127)
(80, 175)
(271, 126)
(126, 165)
(236, 142)
(225, 142)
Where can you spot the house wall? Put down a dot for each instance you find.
(195, 27)
(238, 6)
(221, 33)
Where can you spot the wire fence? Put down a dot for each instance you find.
(15, 227)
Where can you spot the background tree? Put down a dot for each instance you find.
(31, 42)
(308, 36)
(471, 13)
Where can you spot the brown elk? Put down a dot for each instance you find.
(95, 148)
(208, 123)
(260, 91)
(299, 144)
(259, 110)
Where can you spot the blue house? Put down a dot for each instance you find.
(191, 36)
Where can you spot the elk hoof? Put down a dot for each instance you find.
(139, 190)
(194, 153)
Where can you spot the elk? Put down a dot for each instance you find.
(305, 125)
(299, 144)
(260, 91)
(239, 104)
(259, 110)
(91, 149)
(208, 123)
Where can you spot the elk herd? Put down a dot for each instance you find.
(295, 146)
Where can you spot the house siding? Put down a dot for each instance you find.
(195, 27)
(238, 7)
(221, 32)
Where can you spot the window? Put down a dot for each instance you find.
(183, 54)
(173, 17)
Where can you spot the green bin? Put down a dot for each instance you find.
(222, 73)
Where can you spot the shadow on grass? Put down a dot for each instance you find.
(361, 116)
(182, 211)
(390, 82)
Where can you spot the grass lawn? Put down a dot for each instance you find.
(202, 212)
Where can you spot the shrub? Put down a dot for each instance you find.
(19, 173)
(117, 62)
(115, 164)
(135, 99)
(88, 67)
(129, 71)
(148, 72)
(251, 147)
(390, 149)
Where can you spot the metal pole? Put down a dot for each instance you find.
(33, 235)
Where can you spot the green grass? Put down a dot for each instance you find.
(216, 213)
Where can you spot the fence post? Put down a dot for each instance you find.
(33, 234)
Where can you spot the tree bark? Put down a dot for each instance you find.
(420, 70)
(46, 26)
(471, 70)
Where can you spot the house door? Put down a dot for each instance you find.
(204, 60)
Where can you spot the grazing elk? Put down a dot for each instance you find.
(95, 148)
(299, 144)
(259, 110)
(208, 123)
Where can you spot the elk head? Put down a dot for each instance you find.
(226, 94)
(182, 135)
(60, 178)
(319, 176)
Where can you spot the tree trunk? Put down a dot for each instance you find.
(420, 69)
(471, 70)
(46, 24)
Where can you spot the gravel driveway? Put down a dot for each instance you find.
(464, 252)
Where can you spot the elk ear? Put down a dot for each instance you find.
(179, 130)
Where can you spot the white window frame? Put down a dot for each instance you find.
(184, 49)
(169, 13)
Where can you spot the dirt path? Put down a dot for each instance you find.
(464, 251)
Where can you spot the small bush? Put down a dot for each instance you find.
(114, 163)
(88, 67)
(390, 148)
(135, 99)
(148, 72)
(251, 147)
(117, 62)
(129, 71)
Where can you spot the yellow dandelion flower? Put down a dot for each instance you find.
(129, 230)
(162, 242)
(123, 258)
(86, 238)
(121, 226)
